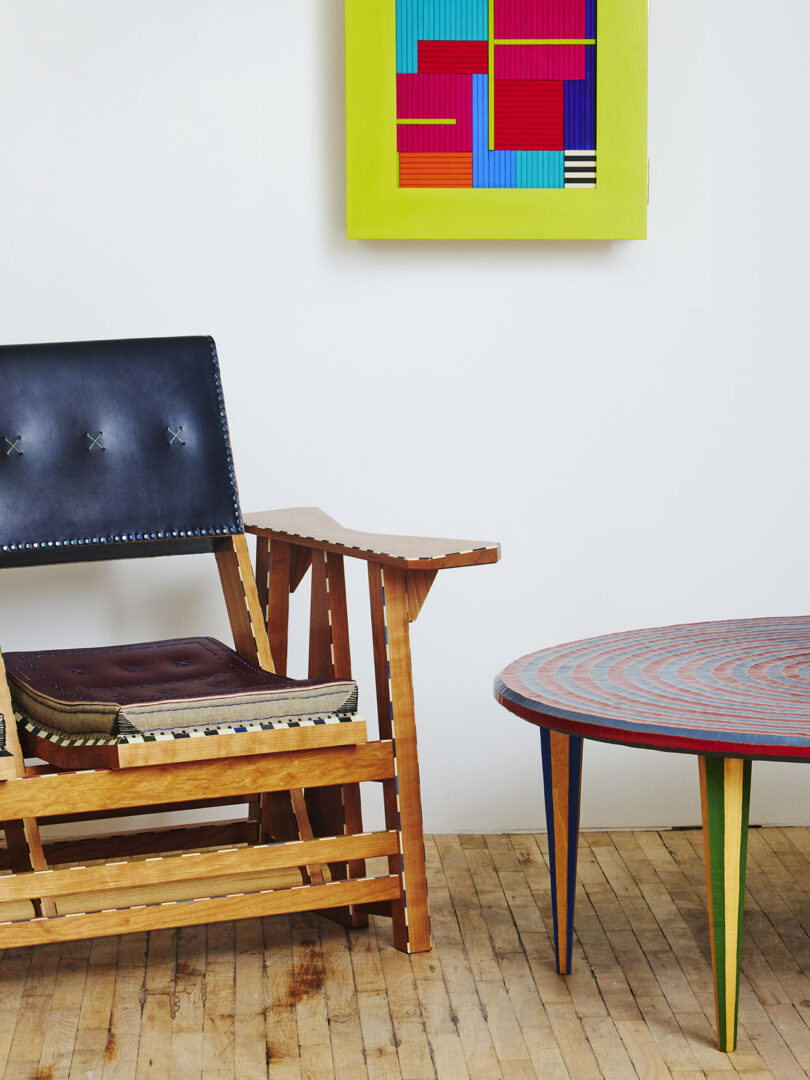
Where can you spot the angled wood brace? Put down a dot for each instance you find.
(401, 571)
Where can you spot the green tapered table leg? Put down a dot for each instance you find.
(725, 790)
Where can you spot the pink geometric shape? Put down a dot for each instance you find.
(540, 19)
(441, 97)
(539, 61)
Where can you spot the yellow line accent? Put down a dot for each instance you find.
(544, 41)
(732, 833)
(430, 121)
(491, 73)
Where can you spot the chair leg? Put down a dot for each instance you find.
(26, 854)
(725, 791)
(22, 837)
(403, 807)
(562, 782)
(333, 811)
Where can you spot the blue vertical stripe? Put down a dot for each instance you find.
(579, 98)
(491, 168)
(574, 793)
(545, 753)
(574, 787)
(590, 18)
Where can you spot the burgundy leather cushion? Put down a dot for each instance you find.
(157, 685)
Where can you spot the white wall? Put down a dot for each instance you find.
(628, 419)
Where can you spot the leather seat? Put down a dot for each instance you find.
(179, 686)
(185, 688)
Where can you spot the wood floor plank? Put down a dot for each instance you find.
(188, 1004)
(281, 1034)
(250, 1054)
(30, 1029)
(345, 1032)
(413, 1047)
(474, 955)
(309, 974)
(14, 967)
(302, 998)
(376, 1025)
(121, 1050)
(530, 1013)
(472, 923)
(219, 1049)
(59, 1045)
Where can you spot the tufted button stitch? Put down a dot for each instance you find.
(161, 684)
(78, 399)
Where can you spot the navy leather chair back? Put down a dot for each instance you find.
(113, 449)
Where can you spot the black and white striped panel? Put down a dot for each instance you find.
(580, 168)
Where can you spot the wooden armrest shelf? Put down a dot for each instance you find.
(310, 527)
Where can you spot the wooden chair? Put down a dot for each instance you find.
(120, 450)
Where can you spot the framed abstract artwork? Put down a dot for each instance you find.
(496, 119)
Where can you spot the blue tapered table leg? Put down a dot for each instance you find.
(562, 781)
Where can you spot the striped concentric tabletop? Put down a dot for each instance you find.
(740, 687)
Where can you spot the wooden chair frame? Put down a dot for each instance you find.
(301, 793)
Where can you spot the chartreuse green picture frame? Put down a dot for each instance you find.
(378, 207)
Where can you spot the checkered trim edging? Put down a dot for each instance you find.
(61, 738)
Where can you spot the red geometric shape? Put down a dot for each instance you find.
(528, 115)
(539, 61)
(530, 19)
(453, 57)
(434, 97)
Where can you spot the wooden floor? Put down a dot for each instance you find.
(300, 997)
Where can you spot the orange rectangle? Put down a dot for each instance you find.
(435, 170)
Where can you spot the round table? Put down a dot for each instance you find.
(729, 692)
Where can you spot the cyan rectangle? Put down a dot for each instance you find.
(540, 168)
(437, 20)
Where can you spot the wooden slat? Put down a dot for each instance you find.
(395, 709)
(13, 765)
(333, 809)
(154, 808)
(204, 748)
(65, 793)
(321, 664)
(194, 912)
(273, 574)
(150, 842)
(242, 602)
(304, 830)
(193, 865)
(310, 527)
(211, 747)
(262, 574)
